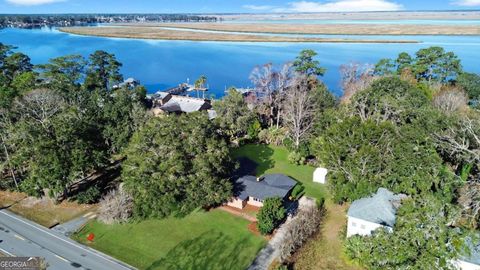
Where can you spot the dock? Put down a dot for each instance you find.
(179, 90)
(184, 89)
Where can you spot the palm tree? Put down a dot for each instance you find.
(200, 83)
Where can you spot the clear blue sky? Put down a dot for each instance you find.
(230, 6)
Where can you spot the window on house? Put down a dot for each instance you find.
(354, 224)
(362, 227)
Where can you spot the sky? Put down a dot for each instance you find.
(227, 6)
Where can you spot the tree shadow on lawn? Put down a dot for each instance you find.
(257, 161)
(211, 250)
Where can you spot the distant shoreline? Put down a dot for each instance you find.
(158, 33)
(380, 15)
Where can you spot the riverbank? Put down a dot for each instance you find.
(140, 31)
(323, 29)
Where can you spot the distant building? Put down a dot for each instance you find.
(163, 102)
(368, 214)
(129, 83)
(254, 191)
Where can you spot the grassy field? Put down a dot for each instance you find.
(324, 29)
(325, 250)
(272, 159)
(42, 211)
(140, 31)
(202, 240)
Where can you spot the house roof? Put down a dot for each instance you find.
(269, 186)
(185, 104)
(127, 82)
(160, 95)
(473, 256)
(380, 208)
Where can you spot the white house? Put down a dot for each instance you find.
(470, 261)
(462, 264)
(368, 214)
(320, 175)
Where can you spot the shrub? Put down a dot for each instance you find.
(275, 136)
(263, 136)
(254, 129)
(115, 207)
(450, 99)
(288, 143)
(321, 203)
(299, 230)
(296, 158)
(89, 196)
(270, 215)
(298, 191)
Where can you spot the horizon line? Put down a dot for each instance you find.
(238, 13)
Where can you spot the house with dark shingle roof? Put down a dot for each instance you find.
(368, 214)
(254, 191)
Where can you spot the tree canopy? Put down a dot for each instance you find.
(307, 65)
(56, 130)
(431, 64)
(176, 164)
(233, 115)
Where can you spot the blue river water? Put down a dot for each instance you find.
(162, 64)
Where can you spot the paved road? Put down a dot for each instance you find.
(74, 225)
(20, 237)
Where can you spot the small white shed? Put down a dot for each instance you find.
(320, 175)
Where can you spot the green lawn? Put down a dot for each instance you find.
(202, 240)
(273, 159)
(324, 251)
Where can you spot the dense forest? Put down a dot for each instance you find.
(61, 20)
(409, 124)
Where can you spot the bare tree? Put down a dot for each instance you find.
(299, 109)
(450, 99)
(469, 200)
(270, 84)
(462, 141)
(355, 78)
(5, 162)
(116, 207)
(40, 105)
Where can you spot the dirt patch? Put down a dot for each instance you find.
(251, 210)
(7, 199)
(45, 212)
(252, 227)
(240, 212)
